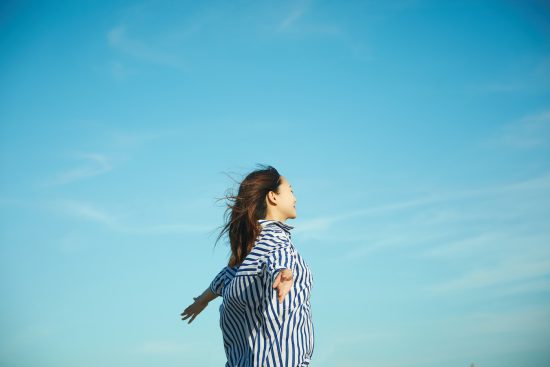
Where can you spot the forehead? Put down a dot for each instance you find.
(284, 181)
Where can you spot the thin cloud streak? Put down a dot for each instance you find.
(515, 248)
(291, 23)
(511, 270)
(508, 322)
(533, 79)
(99, 164)
(327, 222)
(529, 132)
(91, 213)
(390, 239)
(294, 15)
(119, 40)
(526, 287)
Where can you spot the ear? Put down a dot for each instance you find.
(272, 196)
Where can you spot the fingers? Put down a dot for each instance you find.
(277, 280)
(188, 309)
(283, 275)
(189, 313)
(287, 274)
(283, 282)
(192, 315)
(282, 295)
(282, 291)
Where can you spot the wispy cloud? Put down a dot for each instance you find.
(118, 142)
(315, 226)
(531, 78)
(513, 269)
(327, 223)
(119, 39)
(96, 164)
(91, 213)
(293, 22)
(498, 231)
(301, 21)
(296, 13)
(391, 239)
(528, 286)
(502, 87)
(531, 131)
(488, 242)
(532, 319)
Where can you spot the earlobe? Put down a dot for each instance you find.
(271, 195)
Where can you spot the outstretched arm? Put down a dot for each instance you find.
(207, 295)
(200, 304)
(214, 290)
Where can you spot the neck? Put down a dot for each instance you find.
(270, 216)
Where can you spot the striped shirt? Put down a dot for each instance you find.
(258, 331)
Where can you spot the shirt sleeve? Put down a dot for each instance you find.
(216, 286)
(282, 257)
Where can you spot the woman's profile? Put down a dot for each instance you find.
(265, 315)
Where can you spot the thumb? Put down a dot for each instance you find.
(277, 280)
(287, 274)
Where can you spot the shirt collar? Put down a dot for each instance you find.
(284, 226)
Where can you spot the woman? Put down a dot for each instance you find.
(265, 315)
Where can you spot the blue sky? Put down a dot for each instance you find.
(416, 136)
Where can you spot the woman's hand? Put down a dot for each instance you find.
(194, 309)
(283, 283)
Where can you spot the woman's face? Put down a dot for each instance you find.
(286, 201)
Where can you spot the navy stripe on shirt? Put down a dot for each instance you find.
(257, 329)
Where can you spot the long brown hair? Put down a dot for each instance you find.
(245, 209)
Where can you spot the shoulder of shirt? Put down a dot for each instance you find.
(274, 231)
(274, 237)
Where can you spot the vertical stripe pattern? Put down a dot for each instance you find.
(258, 331)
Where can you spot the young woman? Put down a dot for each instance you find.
(265, 315)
